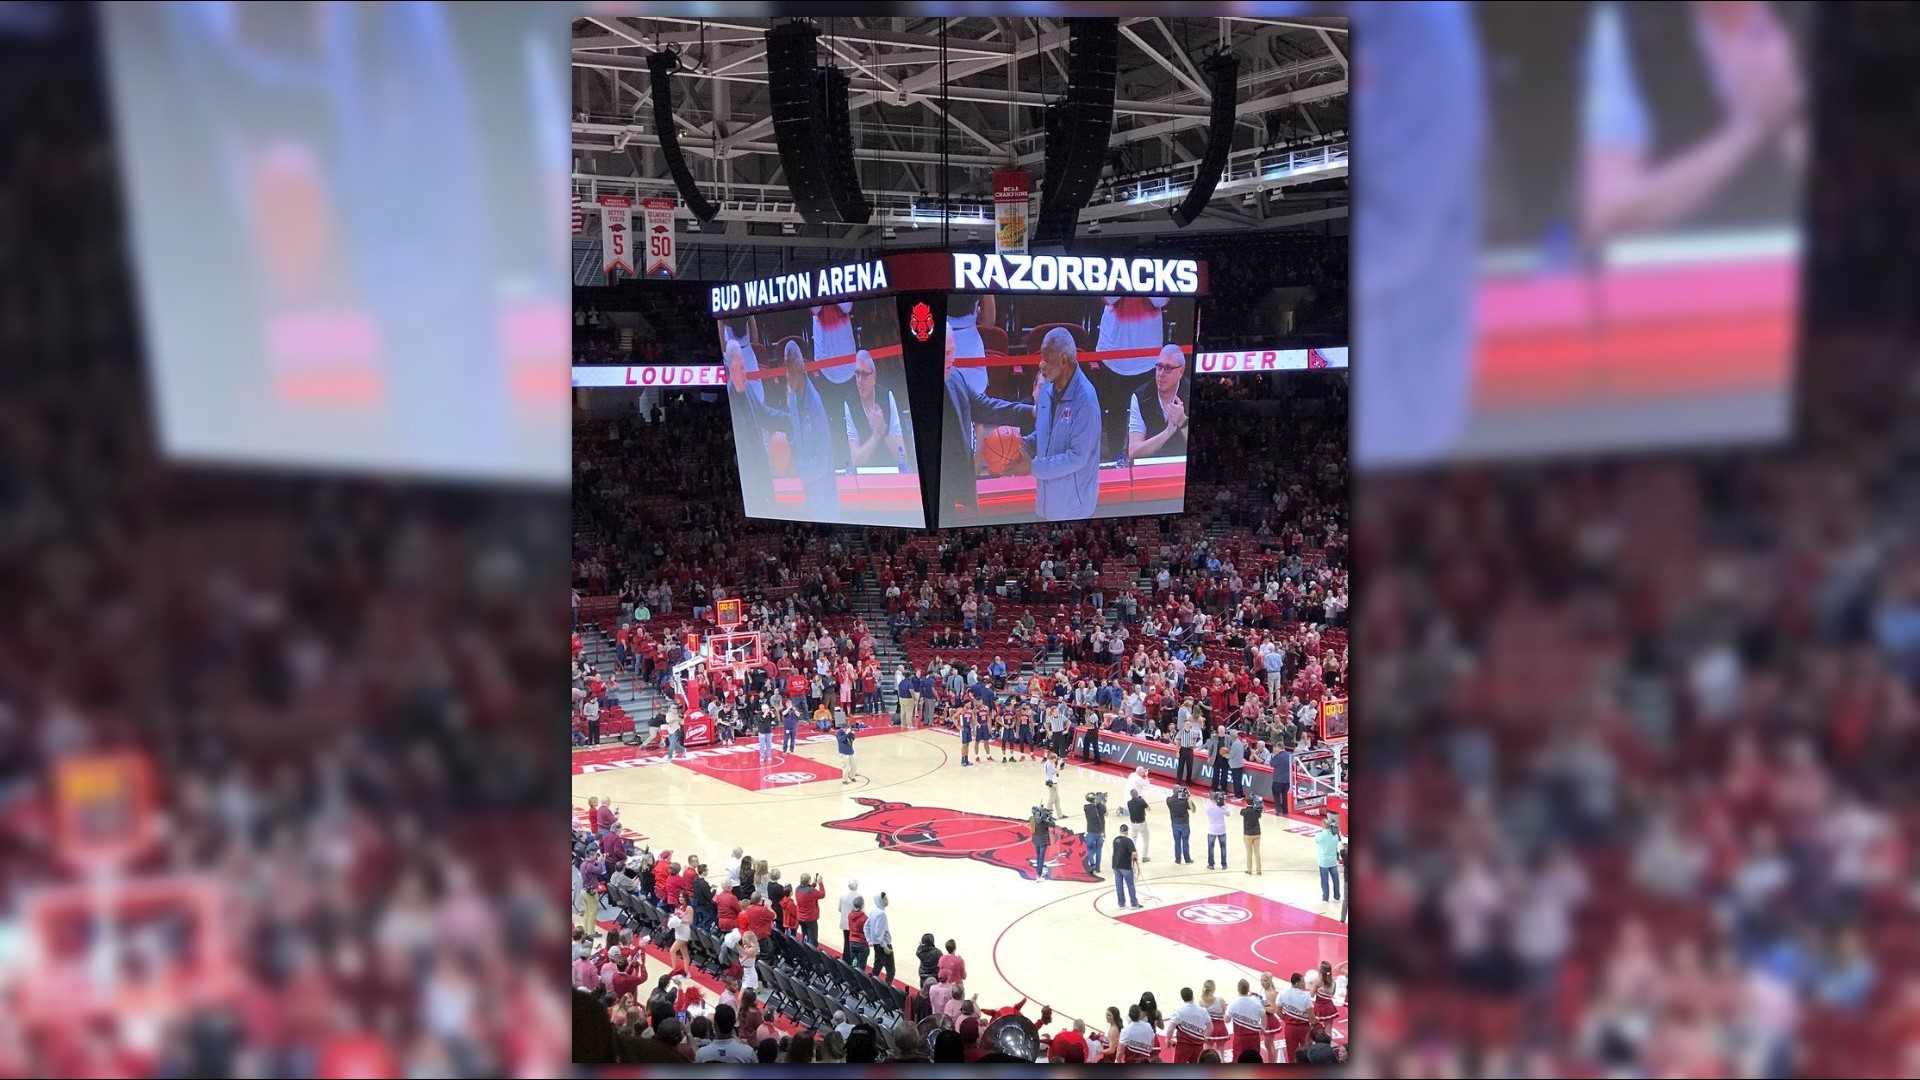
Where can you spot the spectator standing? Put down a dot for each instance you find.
(1137, 815)
(857, 933)
(953, 967)
(806, 903)
(880, 935)
(1123, 870)
(848, 901)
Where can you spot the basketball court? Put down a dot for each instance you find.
(950, 848)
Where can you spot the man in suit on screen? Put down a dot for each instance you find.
(966, 407)
(809, 436)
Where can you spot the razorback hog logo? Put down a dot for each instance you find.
(936, 832)
(920, 321)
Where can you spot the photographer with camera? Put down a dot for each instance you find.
(1179, 811)
(1041, 823)
(1096, 811)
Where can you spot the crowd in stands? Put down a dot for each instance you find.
(1242, 275)
(681, 1017)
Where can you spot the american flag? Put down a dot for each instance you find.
(579, 216)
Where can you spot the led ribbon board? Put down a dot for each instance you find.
(1075, 273)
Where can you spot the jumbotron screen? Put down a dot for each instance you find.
(1579, 228)
(1064, 407)
(822, 428)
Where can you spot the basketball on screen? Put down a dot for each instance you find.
(1002, 450)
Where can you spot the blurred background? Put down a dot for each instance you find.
(1639, 729)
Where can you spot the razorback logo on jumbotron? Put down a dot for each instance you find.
(936, 832)
(920, 321)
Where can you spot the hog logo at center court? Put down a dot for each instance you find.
(920, 321)
(935, 832)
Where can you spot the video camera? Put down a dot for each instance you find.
(1043, 816)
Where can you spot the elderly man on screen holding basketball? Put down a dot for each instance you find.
(1065, 444)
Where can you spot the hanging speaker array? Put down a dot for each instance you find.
(812, 128)
(660, 69)
(1079, 127)
(1222, 72)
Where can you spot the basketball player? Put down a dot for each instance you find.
(1065, 445)
(1053, 783)
(1157, 422)
(982, 747)
(1025, 733)
(966, 733)
(1003, 726)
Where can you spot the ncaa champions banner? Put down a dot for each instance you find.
(616, 234)
(659, 241)
(1010, 205)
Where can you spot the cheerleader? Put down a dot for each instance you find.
(1248, 1014)
(1270, 1024)
(1324, 1010)
(749, 957)
(1114, 1024)
(1216, 1007)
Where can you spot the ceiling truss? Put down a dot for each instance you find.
(999, 74)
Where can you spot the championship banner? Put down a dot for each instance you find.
(579, 216)
(616, 234)
(1011, 201)
(659, 236)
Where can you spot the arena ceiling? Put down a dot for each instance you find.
(1288, 165)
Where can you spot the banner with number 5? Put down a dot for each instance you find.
(659, 237)
(616, 234)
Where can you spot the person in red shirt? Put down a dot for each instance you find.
(806, 902)
(757, 918)
(789, 915)
(857, 933)
(1070, 1046)
(630, 973)
(662, 869)
(727, 905)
